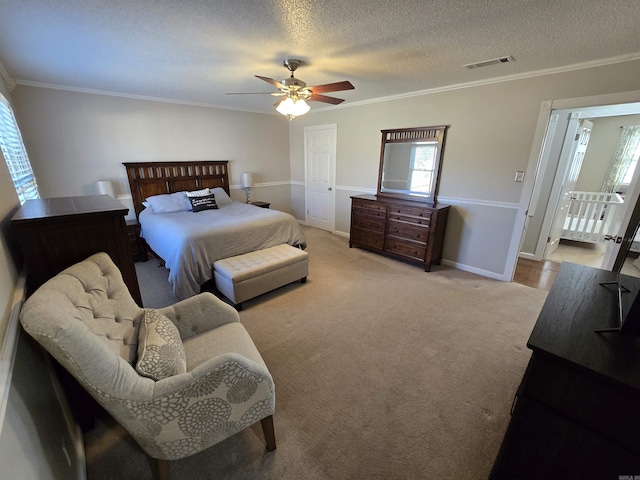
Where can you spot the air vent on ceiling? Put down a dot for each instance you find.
(493, 61)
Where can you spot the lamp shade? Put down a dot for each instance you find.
(104, 187)
(247, 180)
(293, 107)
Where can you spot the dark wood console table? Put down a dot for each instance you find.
(55, 233)
(576, 412)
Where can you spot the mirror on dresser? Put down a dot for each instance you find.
(403, 220)
(410, 161)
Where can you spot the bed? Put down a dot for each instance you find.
(189, 242)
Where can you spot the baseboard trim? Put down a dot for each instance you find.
(459, 266)
(478, 271)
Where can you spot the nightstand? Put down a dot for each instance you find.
(261, 204)
(138, 248)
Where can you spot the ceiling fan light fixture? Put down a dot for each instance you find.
(293, 108)
(294, 92)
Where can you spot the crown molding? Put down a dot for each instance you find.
(490, 81)
(11, 83)
(53, 86)
(8, 81)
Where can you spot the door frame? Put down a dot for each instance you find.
(535, 157)
(565, 164)
(329, 126)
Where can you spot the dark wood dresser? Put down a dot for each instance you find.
(55, 233)
(404, 229)
(575, 415)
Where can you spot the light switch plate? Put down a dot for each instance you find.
(519, 176)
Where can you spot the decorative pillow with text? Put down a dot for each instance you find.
(205, 202)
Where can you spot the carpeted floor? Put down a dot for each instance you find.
(382, 371)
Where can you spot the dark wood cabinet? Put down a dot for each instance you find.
(55, 233)
(409, 230)
(575, 413)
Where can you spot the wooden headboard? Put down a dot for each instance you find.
(157, 178)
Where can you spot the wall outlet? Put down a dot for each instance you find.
(519, 176)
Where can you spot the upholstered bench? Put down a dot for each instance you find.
(247, 276)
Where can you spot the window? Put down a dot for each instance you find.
(624, 161)
(15, 154)
(635, 155)
(423, 160)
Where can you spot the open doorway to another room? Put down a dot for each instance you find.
(585, 189)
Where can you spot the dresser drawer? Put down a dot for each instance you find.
(411, 215)
(371, 212)
(366, 222)
(413, 250)
(367, 238)
(416, 233)
(368, 205)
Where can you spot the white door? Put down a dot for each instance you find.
(320, 160)
(620, 235)
(570, 163)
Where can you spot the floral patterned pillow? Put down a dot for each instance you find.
(160, 350)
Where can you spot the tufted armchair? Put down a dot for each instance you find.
(179, 379)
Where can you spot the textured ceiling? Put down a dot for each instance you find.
(197, 50)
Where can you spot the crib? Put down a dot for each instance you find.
(590, 216)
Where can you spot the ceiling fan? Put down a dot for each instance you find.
(294, 92)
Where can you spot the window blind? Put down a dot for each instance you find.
(15, 155)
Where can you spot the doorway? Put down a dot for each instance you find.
(551, 189)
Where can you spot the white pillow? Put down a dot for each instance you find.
(199, 193)
(173, 202)
(221, 196)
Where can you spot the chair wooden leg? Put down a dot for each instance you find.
(160, 468)
(269, 432)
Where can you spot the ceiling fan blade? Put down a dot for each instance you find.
(323, 98)
(273, 82)
(332, 87)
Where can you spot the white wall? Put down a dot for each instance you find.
(489, 139)
(76, 138)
